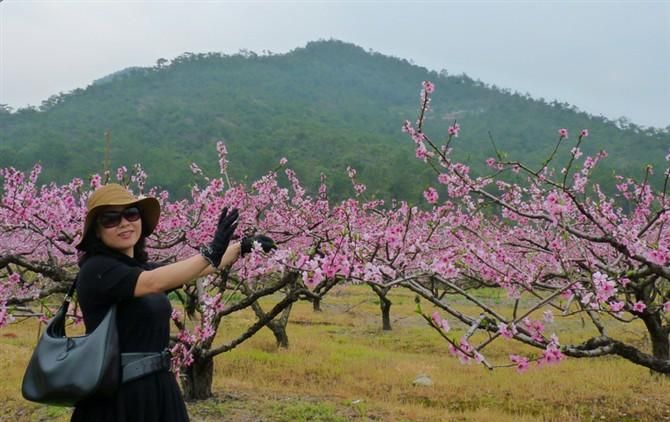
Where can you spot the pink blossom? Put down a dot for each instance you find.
(536, 328)
(554, 204)
(283, 161)
(454, 129)
(205, 333)
(584, 133)
(437, 318)
(35, 172)
(431, 195)
(520, 362)
(576, 152)
(14, 279)
(658, 256)
(605, 288)
(551, 355)
(548, 316)
(639, 306)
(439, 322)
(313, 278)
(507, 331)
(617, 306)
(359, 188)
(176, 315)
(195, 169)
(622, 187)
(445, 326)
(563, 133)
(5, 317)
(428, 86)
(96, 181)
(121, 172)
(418, 137)
(463, 351)
(223, 153)
(666, 307)
(422, 153)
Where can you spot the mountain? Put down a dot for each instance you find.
(325, 106)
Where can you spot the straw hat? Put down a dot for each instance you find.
(115, 194)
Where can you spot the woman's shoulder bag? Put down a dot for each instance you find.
(65, 370)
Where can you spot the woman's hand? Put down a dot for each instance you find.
(213, 252)
(247, 244)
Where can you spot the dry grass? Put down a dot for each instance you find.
(342, 367)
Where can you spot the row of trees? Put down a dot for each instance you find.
(555, 242)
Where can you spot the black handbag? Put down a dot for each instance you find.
(65, 370)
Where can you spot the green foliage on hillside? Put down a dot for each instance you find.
(326, 106)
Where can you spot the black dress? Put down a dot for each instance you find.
(144, 326)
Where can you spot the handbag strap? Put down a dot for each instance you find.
(68, 296)
(57, 325)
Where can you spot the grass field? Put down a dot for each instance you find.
(341, 366)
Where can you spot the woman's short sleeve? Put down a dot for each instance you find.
(103, 279)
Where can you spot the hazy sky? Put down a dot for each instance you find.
(610, 58)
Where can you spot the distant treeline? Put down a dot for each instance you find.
(326, 106)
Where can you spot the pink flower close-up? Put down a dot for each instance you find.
(617, 306)
(639, 306)
(454, 130)
(520, 362)
(431, 195)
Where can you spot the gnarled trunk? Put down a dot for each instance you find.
(278, 327)
(196, 380)
(660, 344)
(316, 304)
(279, 331)
(384, 305)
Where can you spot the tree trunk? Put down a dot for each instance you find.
(316, 304)
(279, 331)
(660, 344)
(385, 306)
(196, 380)
(278, 327)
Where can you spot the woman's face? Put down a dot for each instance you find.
(123, 236)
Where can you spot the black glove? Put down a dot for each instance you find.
(247, 243)
(224, 232)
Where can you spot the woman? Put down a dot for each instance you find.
(114, 270)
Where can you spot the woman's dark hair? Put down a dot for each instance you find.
(92, 245)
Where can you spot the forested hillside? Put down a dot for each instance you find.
(326, 106)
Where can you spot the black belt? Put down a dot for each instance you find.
(137, 365)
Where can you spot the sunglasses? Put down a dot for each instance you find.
(111, 219)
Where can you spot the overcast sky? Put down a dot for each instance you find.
(609, 58)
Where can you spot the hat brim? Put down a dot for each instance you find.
(150, 210)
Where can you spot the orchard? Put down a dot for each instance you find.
(556, 243)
